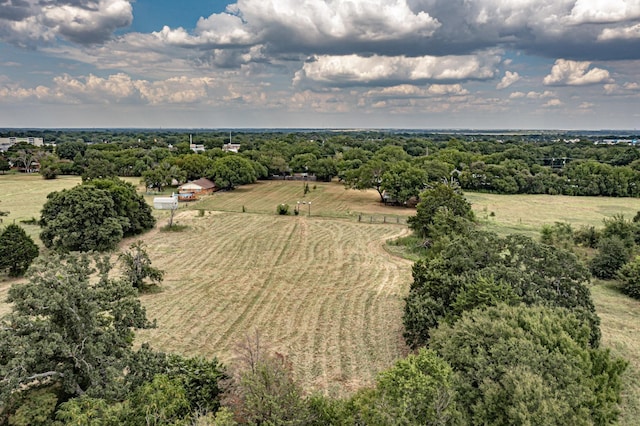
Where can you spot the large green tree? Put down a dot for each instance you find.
(82, 218)
(529, 365)
(402, 182)
(17, 250)
(417, 390)
(93, 216)
(69, 329)
(230, 171)
(442, 197)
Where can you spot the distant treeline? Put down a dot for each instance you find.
(398, 165)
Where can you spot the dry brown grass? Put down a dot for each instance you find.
(329, 199)
(324, 292)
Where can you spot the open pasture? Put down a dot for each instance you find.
(329, 199)
(323, 292)
(527, 213)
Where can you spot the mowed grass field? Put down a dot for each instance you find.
(322, 290)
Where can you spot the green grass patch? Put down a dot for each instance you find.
(174, 228)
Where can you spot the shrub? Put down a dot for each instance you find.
(587, 236)
(17, 250)
(612, 254)
(283, 209)
(630, 277)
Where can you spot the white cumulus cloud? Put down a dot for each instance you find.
(575, 73)
(354, 69)
(508, 79)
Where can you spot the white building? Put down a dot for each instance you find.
(6, 143)
(231, 147)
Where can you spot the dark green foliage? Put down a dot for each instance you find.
(4, 164)
(367, 176)
(417, 390)
(231, 171)
(282, 209)
(133, 211)
(625, 230)
(33, 407)
(136, 266)
(529, 365)
(560, 235)
(402, 181)
(69, 150)
(587, 236)
(82, 218)
(163, 175)
(195, 166)
(99, 168)
(441, 198)
(17, 250)
(69, 329)
(93, 216)
(630, 278)
(612, 254)
(482, 269)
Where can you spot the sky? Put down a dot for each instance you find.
(419, 64)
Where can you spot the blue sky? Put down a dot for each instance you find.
(544, 64)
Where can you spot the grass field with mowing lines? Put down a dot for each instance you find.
(323, 292)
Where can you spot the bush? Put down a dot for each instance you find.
(529, 365)
(174, 228)
(283, 209)
(630, 277)
(17, 250)
(612, 254)
(587, 236)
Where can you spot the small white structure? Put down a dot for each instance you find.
(165, 203)
(194, 146)
(231, 147)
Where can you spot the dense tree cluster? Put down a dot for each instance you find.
(510, 316)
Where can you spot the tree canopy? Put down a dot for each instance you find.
(529, 365)
(93, 216)
(65, 329)
(17, 250)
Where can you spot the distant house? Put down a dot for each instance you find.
(191, 190)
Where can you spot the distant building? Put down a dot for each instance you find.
(6, 143)
(231, 147)
(191, 190)
(196, 147)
